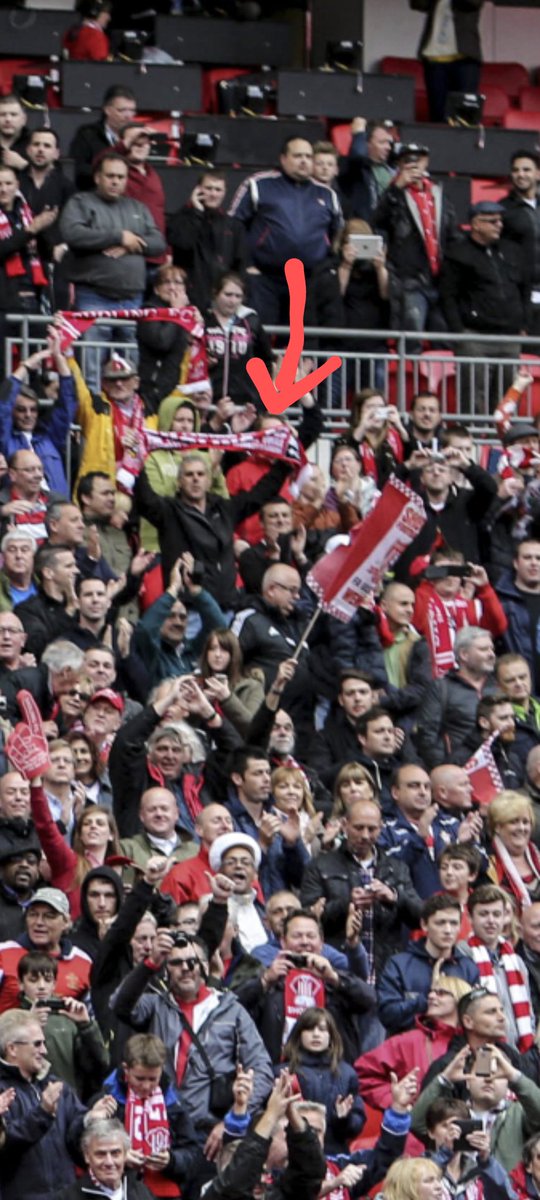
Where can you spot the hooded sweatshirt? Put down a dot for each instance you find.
(85, 930)
(162, 465)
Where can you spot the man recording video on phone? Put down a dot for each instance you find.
(418, 223)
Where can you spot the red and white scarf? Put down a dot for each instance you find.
(425, 202)
(367, 454)
(443, 620)
(517, 985)
(507, 871)
(72, 325)
(147, 1123)
(13, 264)
(129, 462)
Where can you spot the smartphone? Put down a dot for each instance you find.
(366, 245)
(467, 1125)
(484, 1062)
(220, 678)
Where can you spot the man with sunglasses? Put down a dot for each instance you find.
(206, 1032)
(45, 1120)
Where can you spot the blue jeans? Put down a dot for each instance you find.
(88, 300)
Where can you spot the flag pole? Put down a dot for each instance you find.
(314, 617)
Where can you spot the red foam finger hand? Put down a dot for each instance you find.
(30, 712)
(28, 752)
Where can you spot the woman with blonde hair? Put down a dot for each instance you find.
(414, 1179)
(353, 782)
(515, 862)
(95, 839)
(291, 789)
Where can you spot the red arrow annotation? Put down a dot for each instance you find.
(280, 393)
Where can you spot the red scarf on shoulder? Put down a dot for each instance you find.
(13, 264)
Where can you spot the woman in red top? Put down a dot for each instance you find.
(88, 41)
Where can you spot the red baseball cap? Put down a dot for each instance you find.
(110, 697)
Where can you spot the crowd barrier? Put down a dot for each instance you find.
(468, 386)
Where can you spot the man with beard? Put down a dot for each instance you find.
(20, 854)
(425, 423)
(521, 225)
(495, 715)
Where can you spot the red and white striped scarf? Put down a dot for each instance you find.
(424, 199)
(444, 619)
(517, 986)
(13, 264)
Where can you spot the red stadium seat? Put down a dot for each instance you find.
(393, 65)
(20, 66)
(511, 76)
(487, 189)
(529, 99)
(497, 103)
(516, 119)
(341, 138)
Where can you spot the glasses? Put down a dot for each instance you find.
(190, 963)
(293, 591)
(10, 631)
(22, 1042)
(81, 695)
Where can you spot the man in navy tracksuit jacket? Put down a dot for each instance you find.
(286, 215)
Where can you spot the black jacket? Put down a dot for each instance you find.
(162, 346)
(522, 226)
(448, 717)
(131, 773)
(483, 289)
(85, 1189)
(39, 1153)
(466, 14)
(345, 1002)
(205, 244)
(332, 875)
(209, 535)
(53, 193)
(17, 242)
(85, 931)
(301, 1180)
(458, 522)
(88, 141)
(398, 218)
(44, 620)
(114, 960)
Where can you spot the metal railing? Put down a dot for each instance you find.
(468, 387)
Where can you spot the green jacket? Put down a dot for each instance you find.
(140, 849)
(76, 1052)
(518, 1121)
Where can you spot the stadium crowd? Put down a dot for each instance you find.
(256, 889)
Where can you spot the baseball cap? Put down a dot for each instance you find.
(107, 694)
(486, 208)
(517, 432)
(53, 897)
(118, 368)
(410, 149)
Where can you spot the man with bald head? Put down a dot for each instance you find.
(270, 629)
(158, 815)
(406, 655)
(188, 880)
